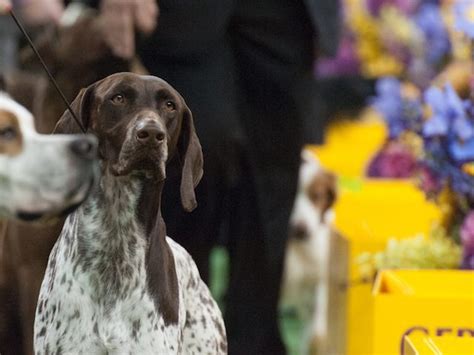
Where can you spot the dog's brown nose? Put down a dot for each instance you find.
(84, 147)
(150, 133)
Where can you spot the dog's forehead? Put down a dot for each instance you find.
(16, 114)
(310, 168)
(136, 81)
(321, 181)
(7, 118)
(13, 146)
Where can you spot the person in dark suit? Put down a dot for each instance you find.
(245, 69)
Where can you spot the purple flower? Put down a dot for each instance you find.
(467, 234)
(468, 262)
(394, 161)
(464, 17)
(429, 182)
(405, 6)
(467, 240)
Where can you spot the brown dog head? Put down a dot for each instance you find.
(68, 48)
(317, 192)
(141, 122)
(77, 55)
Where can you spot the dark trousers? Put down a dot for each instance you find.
(241, 72)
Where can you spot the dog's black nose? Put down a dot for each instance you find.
(298, 231)
(150, 133)
(84, 147)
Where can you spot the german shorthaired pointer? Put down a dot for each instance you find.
(41, 176)
(115, 284)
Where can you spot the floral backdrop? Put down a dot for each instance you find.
(421, 52)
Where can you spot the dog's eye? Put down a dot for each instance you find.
(315, 196)
(118, 99)
(7, 133)
(170, 105)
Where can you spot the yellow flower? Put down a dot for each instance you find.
(375, 59)
(398, 26)
(413, 141)
(468, 168)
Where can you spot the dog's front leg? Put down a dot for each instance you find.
(319, 344)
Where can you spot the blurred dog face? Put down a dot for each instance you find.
(315, 197)
(310, 232)
(40, 175)
(79, 45)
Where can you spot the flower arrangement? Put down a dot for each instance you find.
(436, 252)
(403, 38)
(431, 139)
(439, 152)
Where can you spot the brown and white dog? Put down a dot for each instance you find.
(77, 55)
(306, 283)
(41, 176)
(115, 283)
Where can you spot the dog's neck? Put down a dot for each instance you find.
(120, 206)
(121, 241)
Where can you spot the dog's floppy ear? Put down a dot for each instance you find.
(190, 152)
(3, 86)
(81, 106)
(330, 186)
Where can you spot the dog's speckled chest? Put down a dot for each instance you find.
(94, 297)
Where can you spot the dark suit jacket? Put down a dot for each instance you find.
(324, 15)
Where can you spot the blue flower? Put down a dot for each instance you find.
(462, 152)
(437, 125)
(449, 114)
(462, 126)
(400, 114)
(389, 103)
(436, 37)
(464, 17)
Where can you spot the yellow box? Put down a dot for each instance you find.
(420, 344)
(368, 213)
(350, 145)
(427, 302)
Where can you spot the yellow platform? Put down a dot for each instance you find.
(420, 344)
(431, 303)
(368, 213)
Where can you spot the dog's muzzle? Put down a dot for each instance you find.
(84, 147)
(150, 133)
(298, 231)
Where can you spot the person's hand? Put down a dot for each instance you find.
(117, 18)
(122, 17)
(5, 6)
(146, 15)
(40, 12)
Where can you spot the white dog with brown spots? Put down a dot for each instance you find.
(306, 284)
(41, 176)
